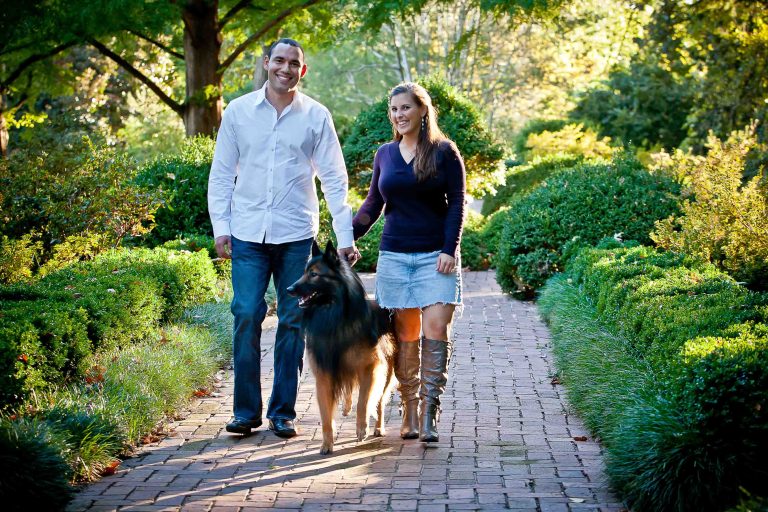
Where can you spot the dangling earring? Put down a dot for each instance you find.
(423, 123)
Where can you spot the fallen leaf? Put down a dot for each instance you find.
(556, 380)
(580, 438)
(111, 468)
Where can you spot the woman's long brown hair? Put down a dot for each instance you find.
(430, 135)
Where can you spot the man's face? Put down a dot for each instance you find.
(285, 68)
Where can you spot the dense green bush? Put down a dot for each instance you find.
(644, 105)
(183, 180)
(475, 254)
(657, 292)
(185, 278)
(534, 126)
(723, 220)
(579, 206)
(50, 329)
(195, 243)
(18, 258)
(571, 139)
(458, 118)
(667, 359)
(41, 342)
(523, 179)
(122, 307)
(72, 189)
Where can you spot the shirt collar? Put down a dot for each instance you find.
(261, 98)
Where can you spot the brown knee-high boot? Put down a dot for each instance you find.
(407, 373)
(434, 376)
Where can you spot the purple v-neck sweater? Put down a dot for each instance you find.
(419, 217)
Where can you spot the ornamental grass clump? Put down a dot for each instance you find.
(34, 473)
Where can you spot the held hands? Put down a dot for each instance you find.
(445, 263)
(224, 247)
(351, 254)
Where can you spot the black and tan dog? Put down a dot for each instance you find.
(350, 342)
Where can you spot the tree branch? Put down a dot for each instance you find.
(141, 77)
(160, 45)
(260, 33)
(31, 60)
(242, 4)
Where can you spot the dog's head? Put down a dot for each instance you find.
(322, 278)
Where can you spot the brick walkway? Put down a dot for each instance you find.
(508, 441)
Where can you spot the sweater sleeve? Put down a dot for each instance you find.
(453, 167)
(370, 210)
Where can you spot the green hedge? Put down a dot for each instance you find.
(522, 179)
(674, 355)
(578, 207)
(49, 330)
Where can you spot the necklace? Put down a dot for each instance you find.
(407, 152)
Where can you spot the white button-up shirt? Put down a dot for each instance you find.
(262, 182)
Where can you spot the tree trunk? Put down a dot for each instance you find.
(259, 73)
(202, 44)
(402, 58)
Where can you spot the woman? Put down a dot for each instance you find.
(419, 182)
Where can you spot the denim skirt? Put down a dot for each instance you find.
(411, 280)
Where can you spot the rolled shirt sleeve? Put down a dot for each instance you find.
(221, 181)
(330, 168)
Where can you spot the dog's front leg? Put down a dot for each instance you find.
(327, 407)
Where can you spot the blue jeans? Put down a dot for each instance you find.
(252, 265)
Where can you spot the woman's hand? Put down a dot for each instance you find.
(446, 264)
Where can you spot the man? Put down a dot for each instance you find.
(264, 211)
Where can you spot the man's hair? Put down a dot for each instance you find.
(285, 40)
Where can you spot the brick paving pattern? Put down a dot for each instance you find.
(507, 441)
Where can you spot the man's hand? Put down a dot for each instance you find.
(445, 263)
(224, 247)
(351, 254)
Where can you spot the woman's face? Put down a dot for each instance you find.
(406, 114)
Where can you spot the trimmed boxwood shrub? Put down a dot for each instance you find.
(186, 278)
(195, 243)
(654, 293)
(522, 179)
(693, 431)
(122, 307)
(49, 329)
(41, 342)
(581, 205)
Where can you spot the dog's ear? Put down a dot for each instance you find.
(316, 249)
(331, 255)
